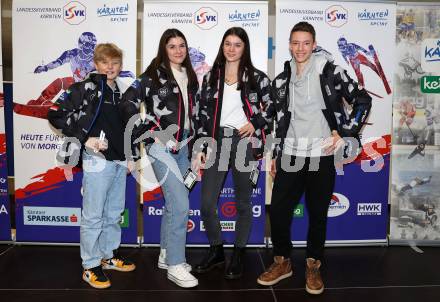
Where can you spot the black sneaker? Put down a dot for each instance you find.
(96, 277)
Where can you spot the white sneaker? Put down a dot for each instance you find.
(179, 275)
(162, 261)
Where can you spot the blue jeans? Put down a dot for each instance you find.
(103, 203)
(169, 169)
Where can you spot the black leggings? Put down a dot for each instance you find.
(212, 183)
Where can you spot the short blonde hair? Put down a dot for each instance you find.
(107, 50)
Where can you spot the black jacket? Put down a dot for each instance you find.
(257, 105)
(164, 106)
(74, 114)
(336, 85)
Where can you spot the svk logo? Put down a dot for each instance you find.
(339, 204)
(74, 13)
(431, 55)
(369, 209)
(205, 18)
(228, 209)
(336, 16)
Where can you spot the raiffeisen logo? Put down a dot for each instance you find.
(339, 204)
(205, 18)
(74, 13)
(336, 16)
(431, 55)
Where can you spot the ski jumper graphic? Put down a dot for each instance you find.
(356, 55)
(81, 64)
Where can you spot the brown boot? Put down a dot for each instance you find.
(279, 270)
(314, 284)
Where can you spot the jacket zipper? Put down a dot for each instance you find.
(190, 109)
(216, 106)
(178, 120)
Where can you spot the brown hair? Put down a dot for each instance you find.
(162, 58)
(107, 50)
(245, 60)
(304, 26)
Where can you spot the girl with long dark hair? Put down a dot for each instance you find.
(168, 88)
(236, 105)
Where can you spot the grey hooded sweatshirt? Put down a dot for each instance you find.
(308, 126)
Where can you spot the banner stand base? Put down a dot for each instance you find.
(411, 243)
(204, 245)
(339, 243)
(66, 244)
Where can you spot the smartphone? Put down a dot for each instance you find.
(189, 179)
(254, 175)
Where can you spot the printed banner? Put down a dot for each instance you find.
(358, 209)
(62, 36)
(203, 25)
(415, 189)
(154, 207)
(5, 218)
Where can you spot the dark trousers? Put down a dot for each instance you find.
(212, 183)
(287, 191)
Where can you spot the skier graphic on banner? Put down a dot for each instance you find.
(81, 64)
(356, 55)
(198, 62)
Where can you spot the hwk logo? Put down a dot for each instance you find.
(369, 209)
(74, 13)
(205, 18)
(336, 16)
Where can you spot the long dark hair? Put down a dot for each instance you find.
(245, 60)
(162, 58)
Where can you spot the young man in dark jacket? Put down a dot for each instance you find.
(311, 122)
(87, 114)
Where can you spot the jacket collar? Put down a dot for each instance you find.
(96, 77)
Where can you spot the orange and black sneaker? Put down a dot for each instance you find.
(96, 277)
(118, 263)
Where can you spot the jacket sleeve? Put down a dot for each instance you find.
(279, 116)
(264, 118)
(357, 97)
(130, 106)
(65, 112)
(202, 114)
